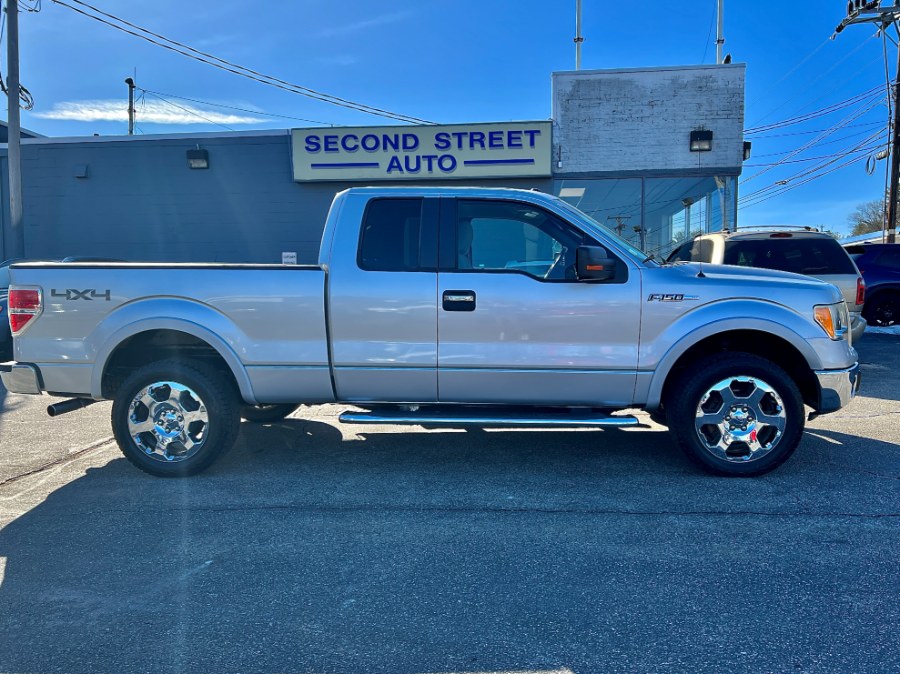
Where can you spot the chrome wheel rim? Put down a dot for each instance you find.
(740, 419)
(168, 421)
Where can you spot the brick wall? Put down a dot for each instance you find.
(641, 120)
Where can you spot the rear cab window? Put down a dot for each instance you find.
(393, 237)
(798, 254)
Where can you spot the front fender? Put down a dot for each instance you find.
(188, 316)
(659, 353)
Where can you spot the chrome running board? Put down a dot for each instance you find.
(455, 418)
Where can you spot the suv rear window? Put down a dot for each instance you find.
(800, 255)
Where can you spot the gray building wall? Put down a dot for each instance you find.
(621, 121)
(135, 198)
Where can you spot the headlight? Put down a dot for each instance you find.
(833, 318)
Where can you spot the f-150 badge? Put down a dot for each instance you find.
(668, 297)
(72, 294)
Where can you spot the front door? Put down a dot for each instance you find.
(514, 323)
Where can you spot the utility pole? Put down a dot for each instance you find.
(895, 162)
(579, 38)
(16, 239)
(130, 82)
(720, 34)
(871, 11)
(620, 221)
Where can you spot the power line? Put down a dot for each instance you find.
(851, 118)
(712, 22)
(834, 107)
(228, 66)
(806, 176)
(233, 107)
(788, 188)
(869, 148)
(189, 111)
(766, 136)
(814, 81)
(850, 136)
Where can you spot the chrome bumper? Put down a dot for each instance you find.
(837, 388)
(20, 378)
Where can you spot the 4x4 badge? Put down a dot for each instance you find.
(90, 294)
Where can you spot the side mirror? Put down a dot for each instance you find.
(594, 264)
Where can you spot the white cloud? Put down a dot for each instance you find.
(148, 112)
(358, 26)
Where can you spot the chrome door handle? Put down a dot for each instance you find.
(459, 300)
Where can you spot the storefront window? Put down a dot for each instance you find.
(677, 209)
(655, 214)
(613, 203)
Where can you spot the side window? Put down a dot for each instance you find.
(889, 259)
(702, 250)
(682, 253)
(390, 235)
(516, 237)
(698, 250)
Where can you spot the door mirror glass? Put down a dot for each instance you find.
(594, 264)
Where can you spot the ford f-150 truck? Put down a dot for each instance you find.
(438, 307)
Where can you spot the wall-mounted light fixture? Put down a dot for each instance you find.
(198, 159)
(748, 149)
(701, 140)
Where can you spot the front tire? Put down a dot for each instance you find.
(174, 419)
(737, 415)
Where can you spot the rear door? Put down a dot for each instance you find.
(515, 325)
(382, 302)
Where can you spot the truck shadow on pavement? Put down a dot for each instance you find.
(305, 550)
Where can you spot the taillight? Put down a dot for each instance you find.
(25, 304)
(860, 290)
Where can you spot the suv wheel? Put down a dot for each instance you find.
(883, 310)
(737, 415)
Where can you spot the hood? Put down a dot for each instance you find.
(721, 281)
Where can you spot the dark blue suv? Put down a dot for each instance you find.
(880, 267)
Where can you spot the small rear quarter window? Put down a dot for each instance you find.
(390, 235)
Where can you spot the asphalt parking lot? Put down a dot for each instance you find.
(315, 547)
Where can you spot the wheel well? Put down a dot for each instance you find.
(880, 291)
(762, 344)
(153, 345)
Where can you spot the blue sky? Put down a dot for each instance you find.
(465, 61)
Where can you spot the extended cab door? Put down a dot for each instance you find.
(515, 324)
(382, 301)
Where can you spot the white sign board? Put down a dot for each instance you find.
(366, 154)
(289, 258)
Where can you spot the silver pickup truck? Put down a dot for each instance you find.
(438, 307)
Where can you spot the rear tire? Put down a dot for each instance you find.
(262, 414)
(883, 310)
(173, 419)
(737, 415)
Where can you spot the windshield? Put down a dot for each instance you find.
(619, 241)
